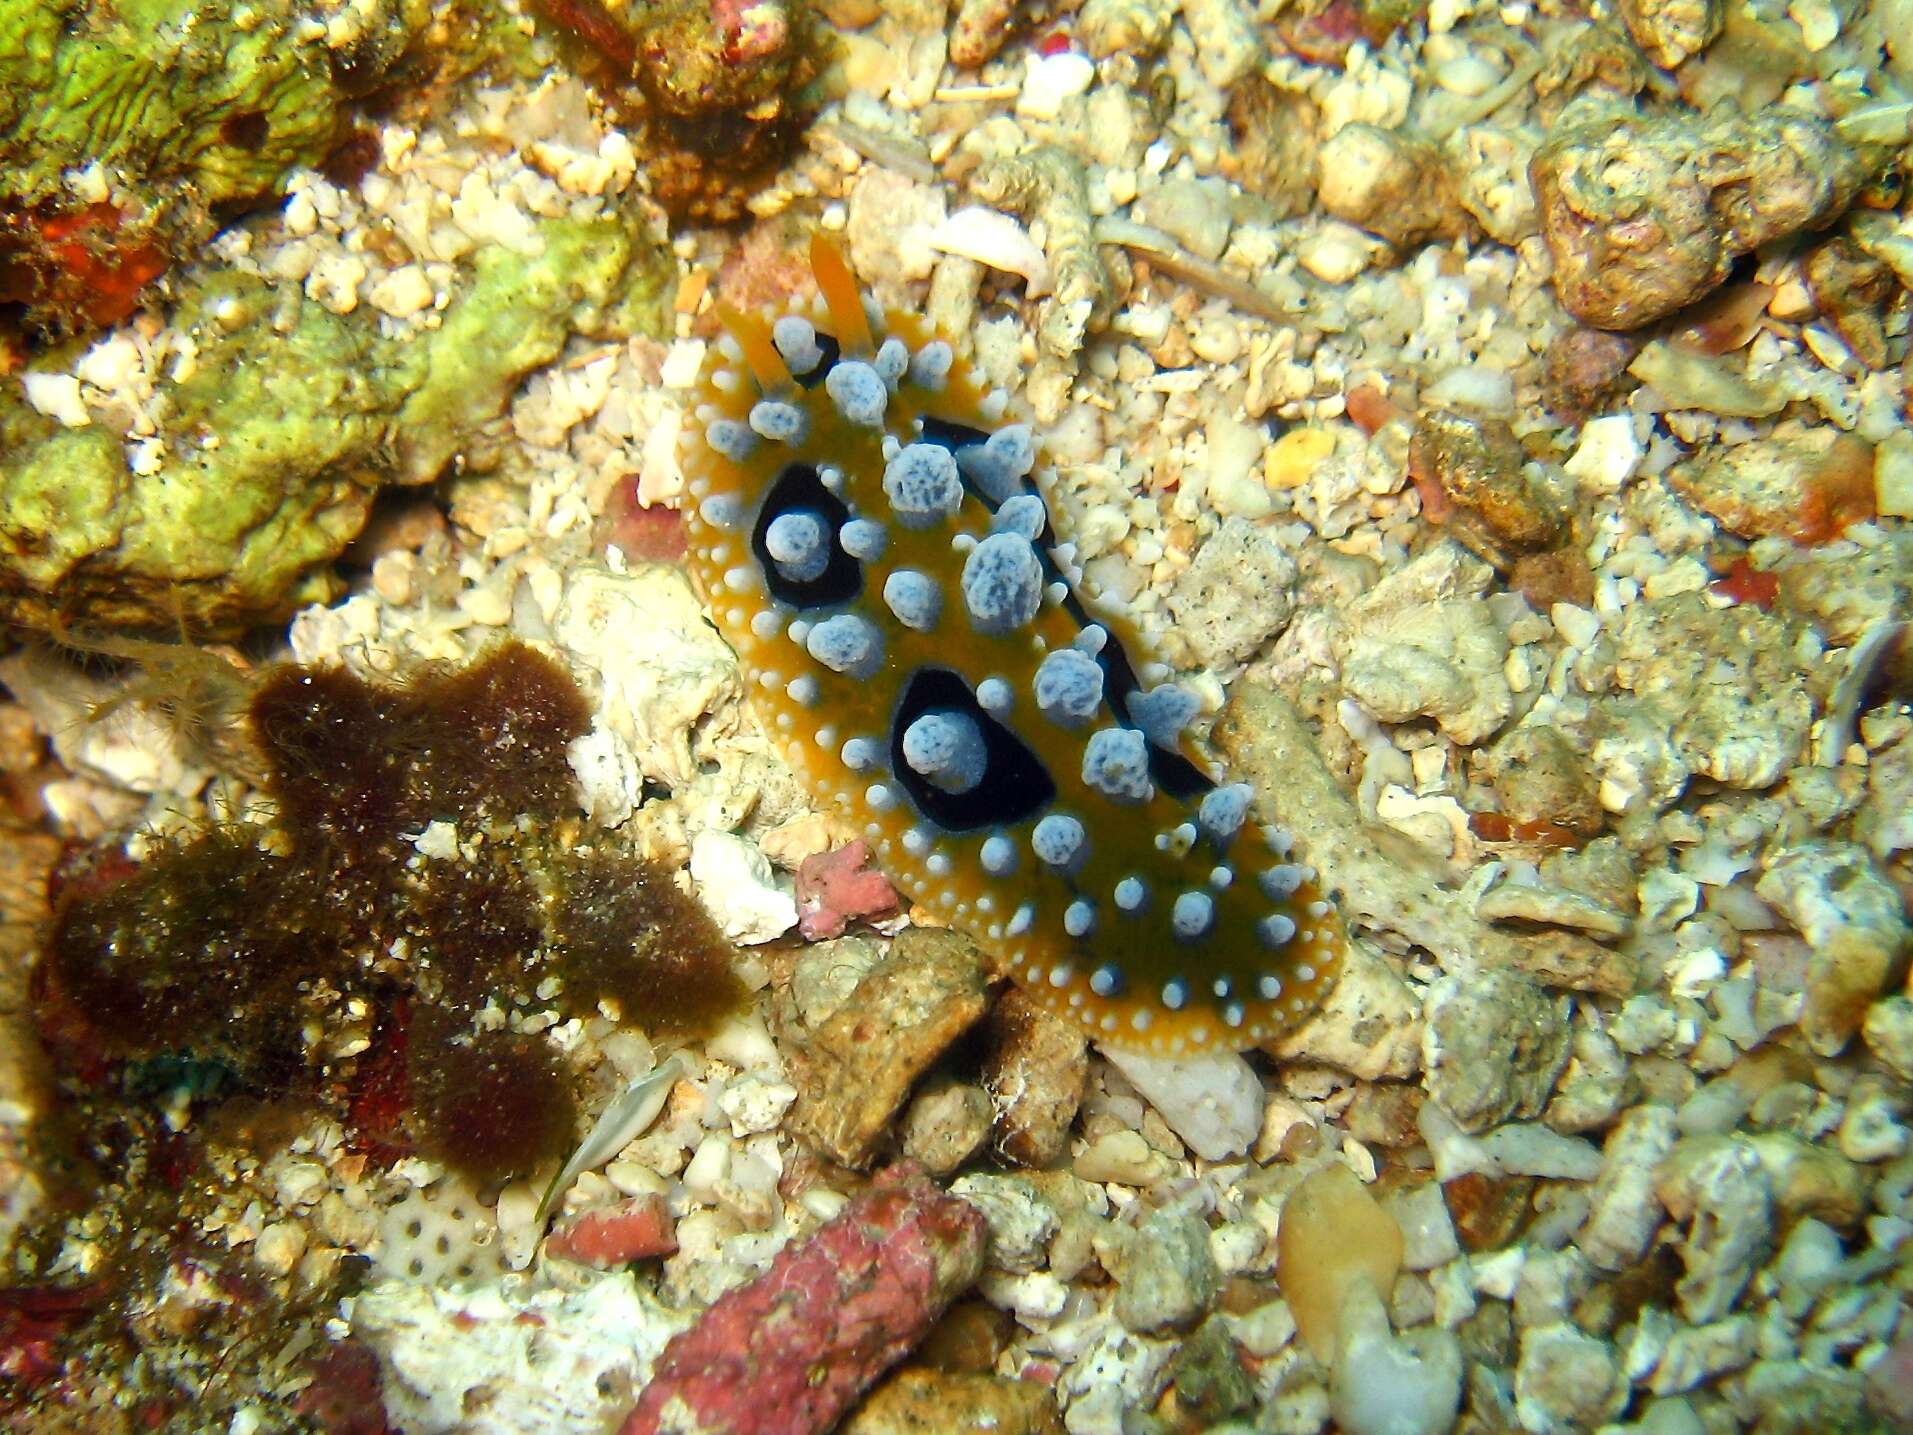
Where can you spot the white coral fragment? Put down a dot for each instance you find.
(992, 238)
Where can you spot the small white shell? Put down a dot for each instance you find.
(991, 237)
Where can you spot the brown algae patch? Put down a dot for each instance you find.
(423, 877)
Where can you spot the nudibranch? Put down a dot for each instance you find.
(872, 534)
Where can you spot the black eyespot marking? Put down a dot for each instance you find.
(814, 376)
(947, 433)
(799, 488)
(1168, 769)
(1015, 786)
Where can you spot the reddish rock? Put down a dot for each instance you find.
(789, 1353)
(833, 888)
(346, 1394)
(612, 1235)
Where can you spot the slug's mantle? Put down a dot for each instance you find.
(873, 537)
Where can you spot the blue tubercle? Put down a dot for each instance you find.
(1069, 687)
(1002, 583)
(1059, 841)
(1116, 764)
(798, 545)
(946, 749)
(859, 393)
(923, 485)
(846, 644)
(913, 598)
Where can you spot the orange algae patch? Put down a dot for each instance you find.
(851, 490)
(1499, 827)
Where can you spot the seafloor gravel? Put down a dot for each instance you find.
(1496, 414)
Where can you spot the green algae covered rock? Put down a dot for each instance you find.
(130, 128)
(274, 437)
(224, 96)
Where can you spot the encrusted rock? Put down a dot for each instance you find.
(663, 683)
(1208, 1375)
(854, 1069)
(1855, 924)
(1212, 1102)
(1541, 775)
(1643, 216)
(1114, 27)
(1889, 1034)
(1729, 1232)
(1035, 1074)
(1049, 184)
(1718, 692)
(1535, 902)
(1671, 31)
(1195, 212)
(1226, 45)
(945, 1124)
(1812, 1179)
(1850, 590)
(1235, 595)
(1696, 1353)
(1805, 1178)
(1805, 484)
(1370, 1026)
(1586, 371)
(1428, 1231)
(1493, 1046)
(1625, 1211)
(608, 1237)
(1390, 184)
(1273, 132)
(1418, 646)
(1594, 1084)
(1566, 1380)
(1853, 290)
(1269, 743)
(1020, 1217)
(830, 1315)
(918, 1399)
(1166, 1276)
(1469, 472)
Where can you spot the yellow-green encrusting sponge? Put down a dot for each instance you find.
(274, 447)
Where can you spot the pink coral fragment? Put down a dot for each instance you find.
(834, 887)
(612, 1235)
(788, 1353)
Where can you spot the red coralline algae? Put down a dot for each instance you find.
(788, 1353)
(750, 29)
(86, 263)
(608, 1237)
(345, 1396)
(33, 1322)
(835, 887)
(1744, 583)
